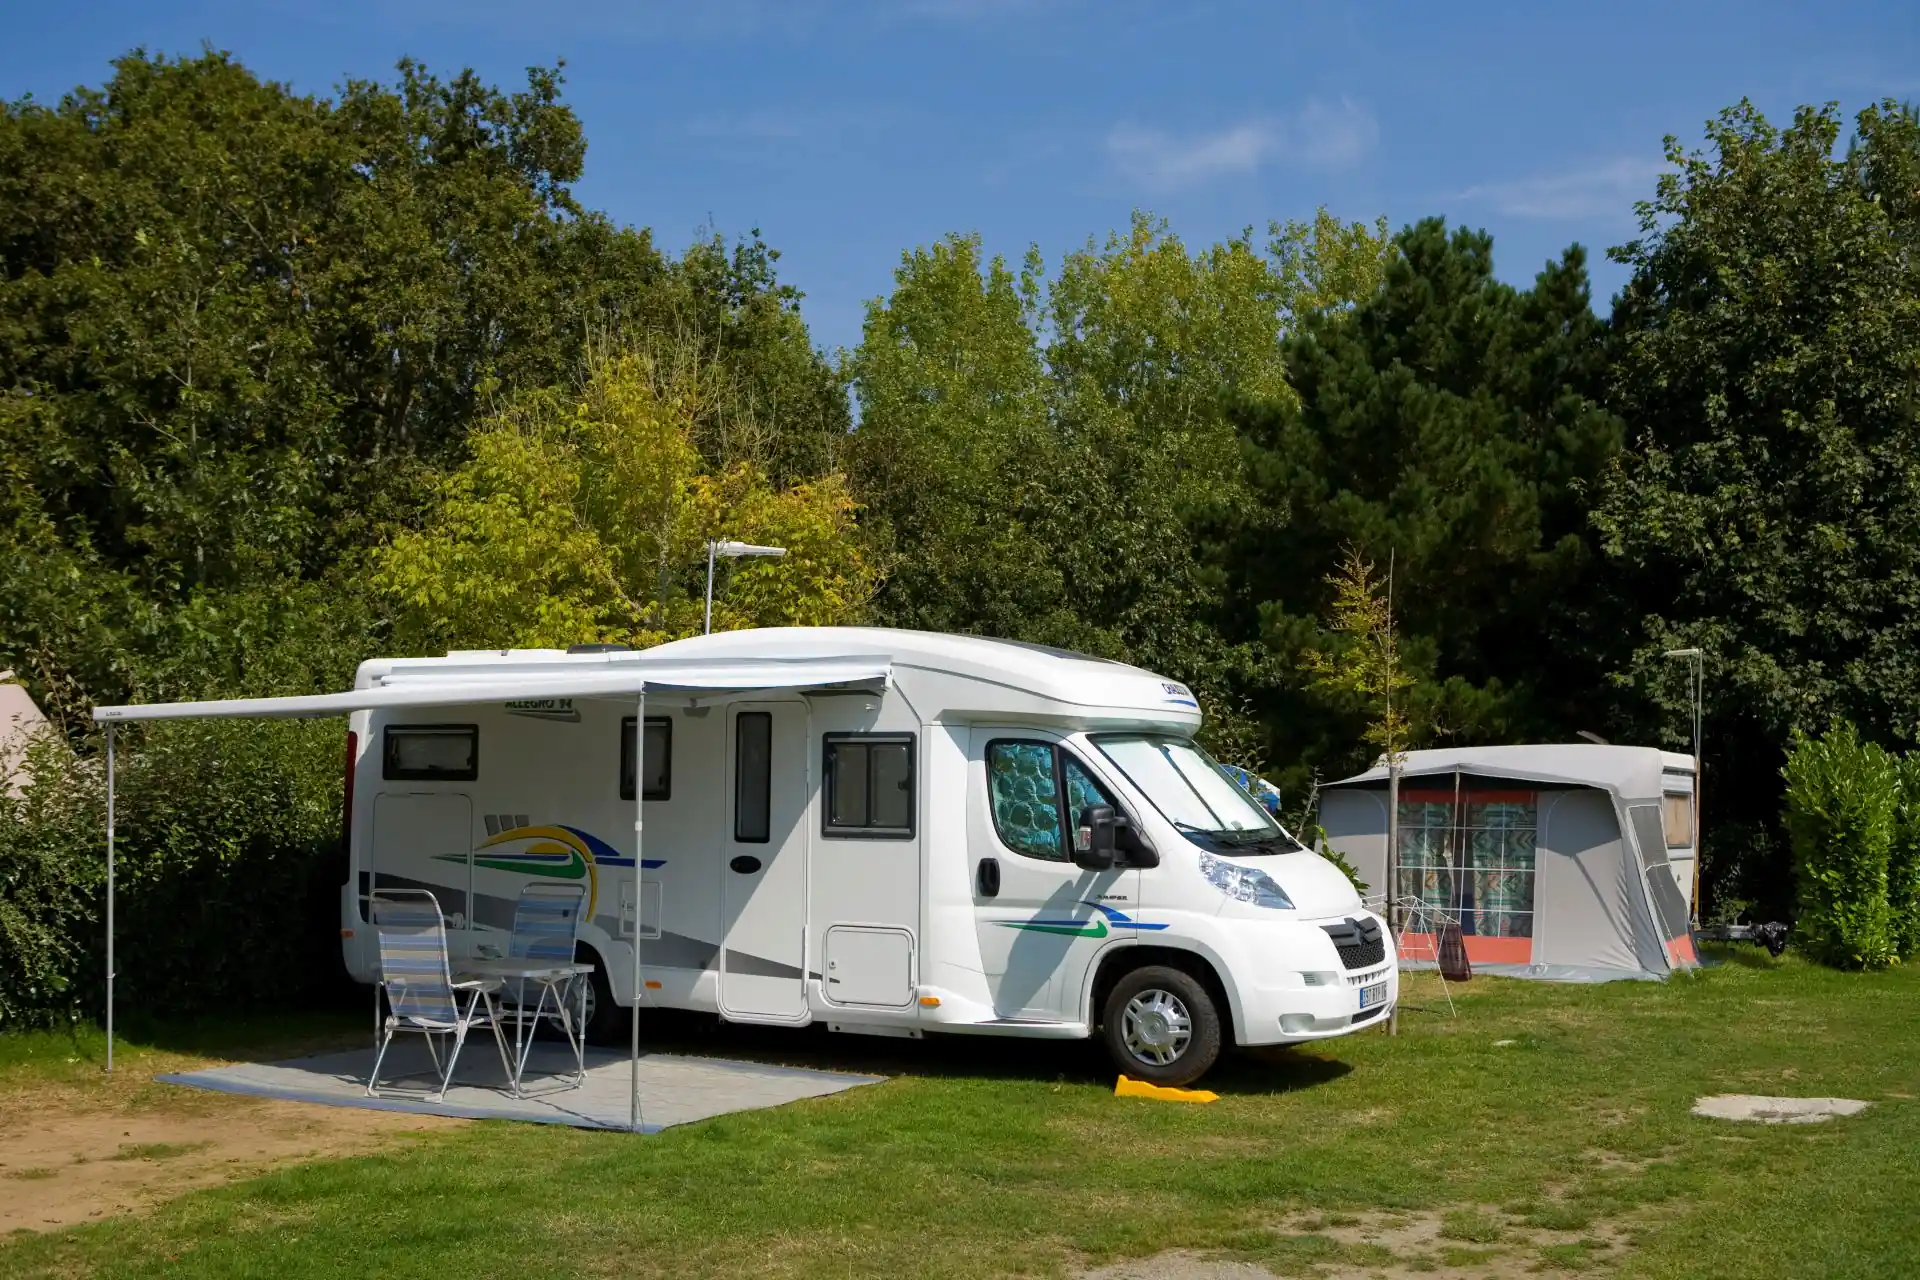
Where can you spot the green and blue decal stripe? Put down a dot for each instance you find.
(1094, 928)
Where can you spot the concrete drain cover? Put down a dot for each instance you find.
(1748, 1106)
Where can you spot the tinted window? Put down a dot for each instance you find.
(431, 752)
(752, 776)
(659, 758)
(869, 786)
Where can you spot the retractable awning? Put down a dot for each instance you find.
(467, 683)
(423, 687)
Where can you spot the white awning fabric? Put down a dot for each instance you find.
(468, 680)
(424, 687)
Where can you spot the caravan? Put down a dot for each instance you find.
(890, 832)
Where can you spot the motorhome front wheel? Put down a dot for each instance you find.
(1161, 1025)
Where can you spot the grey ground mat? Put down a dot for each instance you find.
(674, 1089)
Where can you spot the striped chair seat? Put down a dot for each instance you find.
(418, 980)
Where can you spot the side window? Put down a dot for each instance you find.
(658, 757)
(868, 784)
(1025, 794)
(752, 777)
(1083, 792)
(1676, 811)
(430, 753)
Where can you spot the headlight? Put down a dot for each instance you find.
(1244, 884)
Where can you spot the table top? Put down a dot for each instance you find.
(506, 967)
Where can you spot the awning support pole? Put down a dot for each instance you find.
(640, 910)
(109, 896)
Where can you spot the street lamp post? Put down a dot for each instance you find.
(1696, 661)
(731, 551)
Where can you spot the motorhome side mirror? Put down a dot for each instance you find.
(1093, 838)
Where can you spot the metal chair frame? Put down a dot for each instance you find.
(535, 937)
(421, 994)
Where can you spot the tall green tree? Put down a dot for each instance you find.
(1049, 458)
(1767, 354)
(955, 457)
(243, 331)
(1449, 421)
(582, 517)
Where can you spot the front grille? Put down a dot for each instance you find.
(1359, 942)
(1374, 1012)
(1366, 979)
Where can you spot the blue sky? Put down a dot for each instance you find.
(850, 131)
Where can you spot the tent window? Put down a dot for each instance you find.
(431, 753)
(1471, 863)
(752, 776)
(1676, 812)
(658, 755)
(1669, 906)
(869, 786)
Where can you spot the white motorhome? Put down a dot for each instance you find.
(964, 835)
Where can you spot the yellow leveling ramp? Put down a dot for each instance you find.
(1127, 1088)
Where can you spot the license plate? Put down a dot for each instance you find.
(1373, 996)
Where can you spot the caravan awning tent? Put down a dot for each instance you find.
(1563, 861)
(615, 676)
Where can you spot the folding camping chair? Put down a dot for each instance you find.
(546, 931)
(421, 993)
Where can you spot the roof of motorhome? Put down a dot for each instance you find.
(1631, 772)
(1047, 672)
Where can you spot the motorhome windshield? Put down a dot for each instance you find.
(1193, 791)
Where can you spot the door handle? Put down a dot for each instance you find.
(988, 878)
(746, 864)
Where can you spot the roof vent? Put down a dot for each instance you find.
(599, 648)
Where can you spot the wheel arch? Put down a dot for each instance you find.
(1203, 968)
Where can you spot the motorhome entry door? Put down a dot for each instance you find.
(763, 864)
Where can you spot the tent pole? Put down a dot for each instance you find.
(1395, 917)
(109, 896)
(373, 890)
(640, 791)
(1699, 685)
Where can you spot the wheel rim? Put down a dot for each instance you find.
(589, 1003)
(1156, 1027)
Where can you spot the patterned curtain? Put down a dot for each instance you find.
(1479, 872)
(1425, 872)
(1500, 852)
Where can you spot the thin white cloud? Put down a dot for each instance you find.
(1594, 190)
(1318, 135)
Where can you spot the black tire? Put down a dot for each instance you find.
(1146, 1013)
(607, 1023)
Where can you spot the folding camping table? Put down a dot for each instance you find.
(556, 982)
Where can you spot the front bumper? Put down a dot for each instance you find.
(1287, 1015)
(1279, 1005)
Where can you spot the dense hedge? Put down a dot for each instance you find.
(1843, 799)
(228, 872)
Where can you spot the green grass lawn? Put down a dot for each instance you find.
(1542, 1127)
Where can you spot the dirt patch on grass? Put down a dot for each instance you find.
(1180, 1264)
(1466, 1242)
(68, 1157)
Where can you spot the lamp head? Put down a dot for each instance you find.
(1682, 653)
(736, 550)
